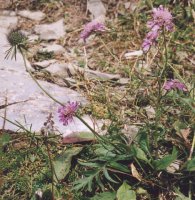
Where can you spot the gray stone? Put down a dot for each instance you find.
(63, 69)
(32, 15)
(33, 38)
(44, 64)
(150, 112)
(123, 81)
(97, 8)
(8, 22)
(58, 69)
(133, 54)
(51, 31)
(55, 48)
(8, 13)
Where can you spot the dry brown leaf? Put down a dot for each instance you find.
(185, 133)
(135, 173)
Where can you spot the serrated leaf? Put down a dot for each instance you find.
(163, 163)
(191, 165)
(125, 192)
(104, 196)
(62, 163)
(87, 181)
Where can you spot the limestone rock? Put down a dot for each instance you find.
(44, 64)
(133, 54)
(8, 13)
(55, 48)
(36, 15)
(51, 31)
(96, 8)
(8, 22)
(63, 69)
(32, 38)
(150, 112)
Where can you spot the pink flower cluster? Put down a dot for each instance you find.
(91, 27)
(162, 18)
(67, 112)
(175, 84)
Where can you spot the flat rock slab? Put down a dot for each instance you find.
(51, 31)
(33, 105)
(8, 22)
(55, 48)
(96, 8)
(32, 15)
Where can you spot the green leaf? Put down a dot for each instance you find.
(139, 153)
(180, 196)
(104, 152)
(90, 164)
(166, 161)
(119, 167)
(62, 163)
(125, 192)
(106, 174)
(143, 141)
(4, 139)
(191, 165)
(87, 181)
(104, 196)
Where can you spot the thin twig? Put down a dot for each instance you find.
(5, 113)
(192, 148)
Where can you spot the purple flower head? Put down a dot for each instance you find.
(67, 112)
(174, 84)
(91, 27)
(161, 17)
(150, 40)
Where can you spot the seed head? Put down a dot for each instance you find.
(18, 42)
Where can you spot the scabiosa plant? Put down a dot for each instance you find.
(67, 112)
(18, 42)
(174, 84)
(91, 27)
(161, 19)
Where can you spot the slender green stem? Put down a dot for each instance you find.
(115, 57)
(52, 169)
(192, 148)
(159, 79)
(96, 134)
(49, 95)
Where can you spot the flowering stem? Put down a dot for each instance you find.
(54, 99)
(159, 98)
(192, 148)
(52, 169)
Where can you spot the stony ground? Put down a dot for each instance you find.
(64, 64)
(108, 75)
